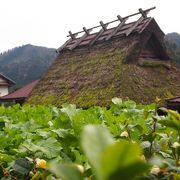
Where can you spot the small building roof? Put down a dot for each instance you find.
(9, 81)
(173, 103)
(21, 93)
(174, 100)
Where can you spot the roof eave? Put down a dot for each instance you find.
(171, 100)
(12, 99)
(10, 81)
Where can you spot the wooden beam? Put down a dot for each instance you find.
(104, 28)
(143, 13)
(120, 18)
(78, 41)
(72, 35)
(86, 31)
(130, 30)
(117, 28)
(64, 45)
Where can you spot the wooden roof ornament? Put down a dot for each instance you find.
(106, 34)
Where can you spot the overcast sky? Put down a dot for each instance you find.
(47, 22)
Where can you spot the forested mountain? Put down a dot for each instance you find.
(26, 63)
(173, 45)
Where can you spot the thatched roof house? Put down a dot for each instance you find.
(127, 61)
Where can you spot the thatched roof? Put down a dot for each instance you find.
(134, 66)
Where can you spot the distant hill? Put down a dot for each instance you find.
(173, 45)
(26, 63)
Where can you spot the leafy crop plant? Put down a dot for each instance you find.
(127, 141)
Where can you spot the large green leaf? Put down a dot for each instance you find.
(171, 123)
(122, 161)
(49, 148)
(66, 172)
(95, 139)
(62, 133)
(5, 157)
(69, 109)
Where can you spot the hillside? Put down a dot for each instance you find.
(173, 45)
(26, 63)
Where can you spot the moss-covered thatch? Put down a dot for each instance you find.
(94, 75)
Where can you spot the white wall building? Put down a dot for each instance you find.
(5, 83)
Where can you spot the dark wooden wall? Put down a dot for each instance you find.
(149, 51)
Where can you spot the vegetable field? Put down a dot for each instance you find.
(126, 141)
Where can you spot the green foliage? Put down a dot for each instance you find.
(95, 139)
(111, 160)
(66, 172)
(172, 41)
(125, 141)
(124, 158)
